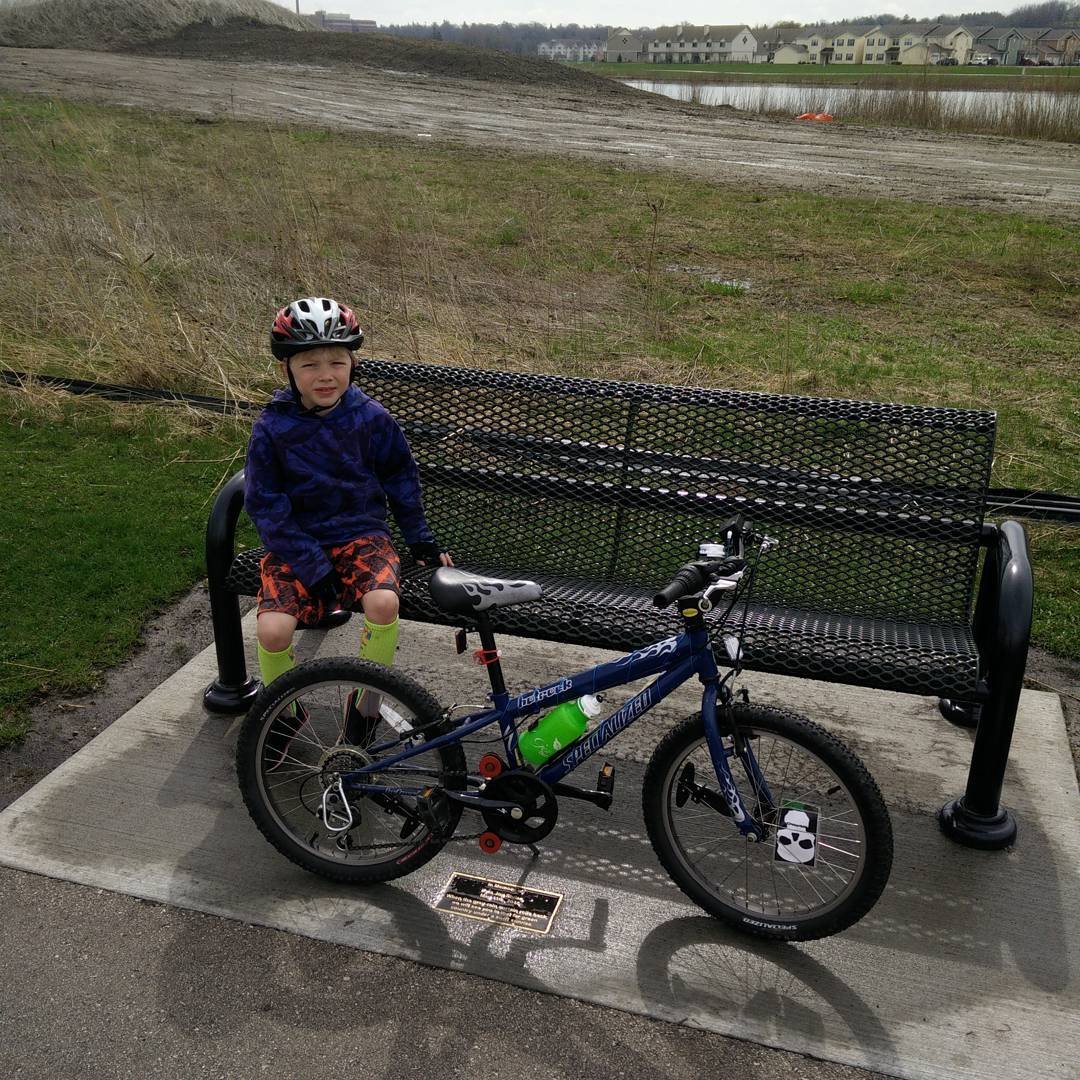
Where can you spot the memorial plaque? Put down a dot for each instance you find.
(500, 902)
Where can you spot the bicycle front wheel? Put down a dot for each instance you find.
(828, 847)
(316, 724)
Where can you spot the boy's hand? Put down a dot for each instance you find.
(429, 552)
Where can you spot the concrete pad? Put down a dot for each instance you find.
(966, 968)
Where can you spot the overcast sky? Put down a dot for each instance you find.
(631, 13)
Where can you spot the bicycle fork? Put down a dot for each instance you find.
(749, 825)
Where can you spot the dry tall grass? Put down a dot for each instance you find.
(1051, 112)
(108, 24)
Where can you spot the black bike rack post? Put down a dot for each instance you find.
(1002, 630)
(233, 690)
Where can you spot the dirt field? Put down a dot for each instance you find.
(1038, 178)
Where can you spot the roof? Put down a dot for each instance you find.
(905, 29)
(683, 30)
(781, 33)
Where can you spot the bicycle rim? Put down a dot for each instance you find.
(758, 881)
(298, 759)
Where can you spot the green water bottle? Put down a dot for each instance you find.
(558, 729)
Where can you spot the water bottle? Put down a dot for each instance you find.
(557, 729)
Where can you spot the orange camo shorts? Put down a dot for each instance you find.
(364, 564)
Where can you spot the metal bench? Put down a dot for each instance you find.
(600, 490)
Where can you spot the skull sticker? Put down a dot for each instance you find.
(796, 835)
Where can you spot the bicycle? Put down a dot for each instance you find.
(354, 771)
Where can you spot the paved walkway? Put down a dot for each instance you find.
(967, 967)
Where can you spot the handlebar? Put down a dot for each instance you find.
(693, 577)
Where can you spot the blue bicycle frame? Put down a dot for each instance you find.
(674, 660)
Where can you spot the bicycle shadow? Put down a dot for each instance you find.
(694, 970)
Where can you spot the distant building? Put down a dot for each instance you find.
(700, 45)
(772, 39)
(569, 49)
(625, 46)
(343, 23)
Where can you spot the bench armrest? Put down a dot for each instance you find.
(221, 530)
(232, 691)
(1003, 610)
(1002, 629)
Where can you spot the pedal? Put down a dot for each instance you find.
(605, 782)
(490, 843)
(433, 807)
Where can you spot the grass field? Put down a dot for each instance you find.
(153, 249)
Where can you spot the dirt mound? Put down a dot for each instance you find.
(112, 24)
(240, 42)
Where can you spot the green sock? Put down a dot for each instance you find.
(378, 642)
(273, 664)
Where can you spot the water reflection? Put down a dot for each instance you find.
(851, 100)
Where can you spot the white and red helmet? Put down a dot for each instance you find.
(311, 323)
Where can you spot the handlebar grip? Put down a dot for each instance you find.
(686, 580)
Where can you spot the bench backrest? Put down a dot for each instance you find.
(878, 508)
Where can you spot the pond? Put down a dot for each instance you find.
(794, 98)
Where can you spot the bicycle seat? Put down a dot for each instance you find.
(460, 592)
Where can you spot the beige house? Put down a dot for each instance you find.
(960, 40)
(925, 51)
(792, 54)
(813, 39)
(846, 46)
(685, 44)
(624, 46)
(773, 38)
(1060, 45)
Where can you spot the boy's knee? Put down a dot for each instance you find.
(275, 631)
(381, 606)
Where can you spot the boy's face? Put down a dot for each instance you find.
(322, 375)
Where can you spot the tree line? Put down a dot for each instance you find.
(523, 38)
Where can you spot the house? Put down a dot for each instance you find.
(343, 23)
(1060, 45)
(568, 49)
(813, 39)
(792, 54)
(773, 38)
(686, 44)
(1009, 44)
(960, 39)
(625, 46)
(931, 48)
(884, 44)
(846, 46)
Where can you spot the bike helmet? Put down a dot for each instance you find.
(311, 323)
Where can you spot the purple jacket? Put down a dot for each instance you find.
(311, 482)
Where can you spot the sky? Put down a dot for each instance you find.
(632, 13)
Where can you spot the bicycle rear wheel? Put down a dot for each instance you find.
(828, 848)
(322, 720)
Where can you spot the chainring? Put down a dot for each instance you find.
(537, 802)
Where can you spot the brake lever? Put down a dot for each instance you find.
(724, 584)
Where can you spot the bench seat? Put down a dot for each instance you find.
(887, 655)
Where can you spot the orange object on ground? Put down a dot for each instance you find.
(814, 116)
(823, 116)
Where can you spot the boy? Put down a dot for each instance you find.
(323, 461)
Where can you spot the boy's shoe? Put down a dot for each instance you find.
(361, 717)
(282, 733)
